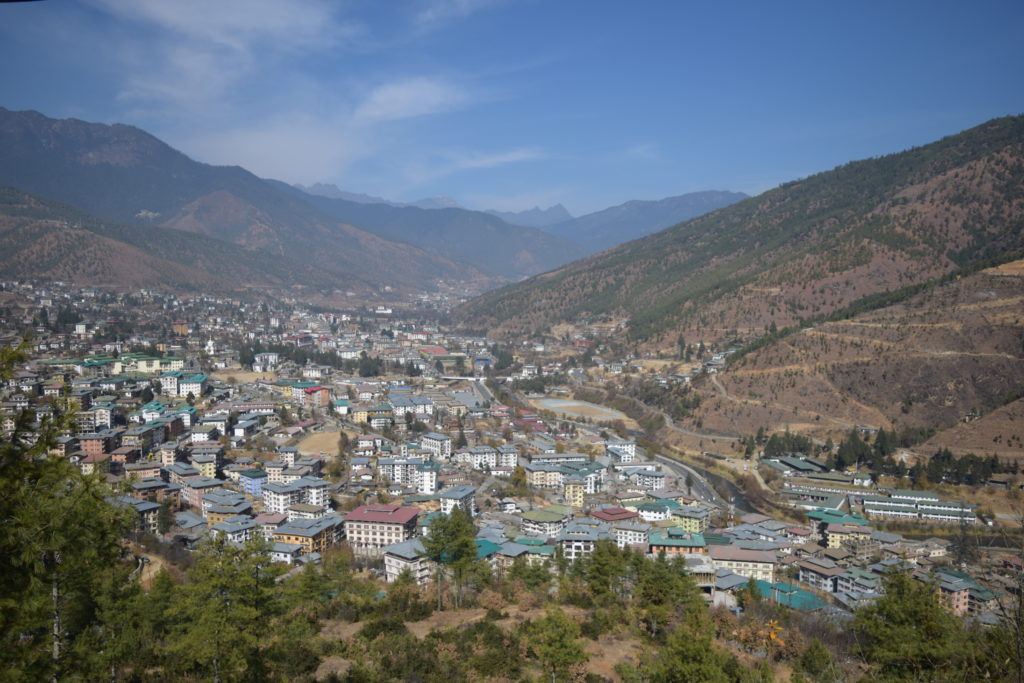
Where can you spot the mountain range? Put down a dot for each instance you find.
(535, 217)
(603, 229)
(807, 249)
(489, 243)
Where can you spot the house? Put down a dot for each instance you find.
(251, 482)
(288, 553)
(573, 489)
(237, 530)
(613, 514)
(693, 519)
(193, 489)
(146, 513)
(630, 532)
(837, 535)
(196, 385)
(279, 497)
(372, 527)
(426, 478)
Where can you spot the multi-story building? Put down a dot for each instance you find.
(314, 535)
(459, 496)
(399, 470)
(753, 564)
(439, 444)
(279, 497)
(407, 555)
(580, 536)
(676, 541)
(371, 527)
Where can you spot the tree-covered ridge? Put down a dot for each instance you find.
(48, 239)
(809, 246)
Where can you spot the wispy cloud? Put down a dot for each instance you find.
(440, 165)
(410, 98)
(294, 147)
(193, 55)
(264, 84)
(436, 13)
(644, 151)
(238, 25)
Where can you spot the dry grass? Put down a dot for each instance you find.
(326, 441)
(245, 376)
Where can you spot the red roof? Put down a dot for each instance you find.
(613, 514)
(396, 514)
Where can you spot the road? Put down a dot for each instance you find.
(700, 487)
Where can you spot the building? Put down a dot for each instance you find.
(573, 489)
(372, 527)
(251, 482)
(314, 535)
(580, 536)
(630, 533)
(820, 573)
(753, 564)
(459, 496)
(543, 522)
(407, 555)
(676, 541)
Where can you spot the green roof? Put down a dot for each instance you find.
(485, 548)
(831, 516)
(529, 540)
(543, 516)
(676, 537)
(789, 595)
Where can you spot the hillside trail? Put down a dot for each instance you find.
(778, 406)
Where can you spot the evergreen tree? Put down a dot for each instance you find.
(221, 614)
(451, 542)
(553, 640)
(907, 635)
(61, 535)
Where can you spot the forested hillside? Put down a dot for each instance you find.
(804, 249)
(43, 239)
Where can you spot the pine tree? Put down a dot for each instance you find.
(907, 634)
(222, 612)
(60, 536)
(553, 640)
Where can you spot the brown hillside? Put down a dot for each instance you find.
(926, 362)
(48, 250)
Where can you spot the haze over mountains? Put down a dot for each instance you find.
(122, 175)
(600, 230)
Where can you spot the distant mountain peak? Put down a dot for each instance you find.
(639, 217)
(334, 192)
(535, 217)
(436, 203)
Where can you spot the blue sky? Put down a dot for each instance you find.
(511, 104)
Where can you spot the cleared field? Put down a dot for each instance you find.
(579, 409)
(244, 376)
(320, 441)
